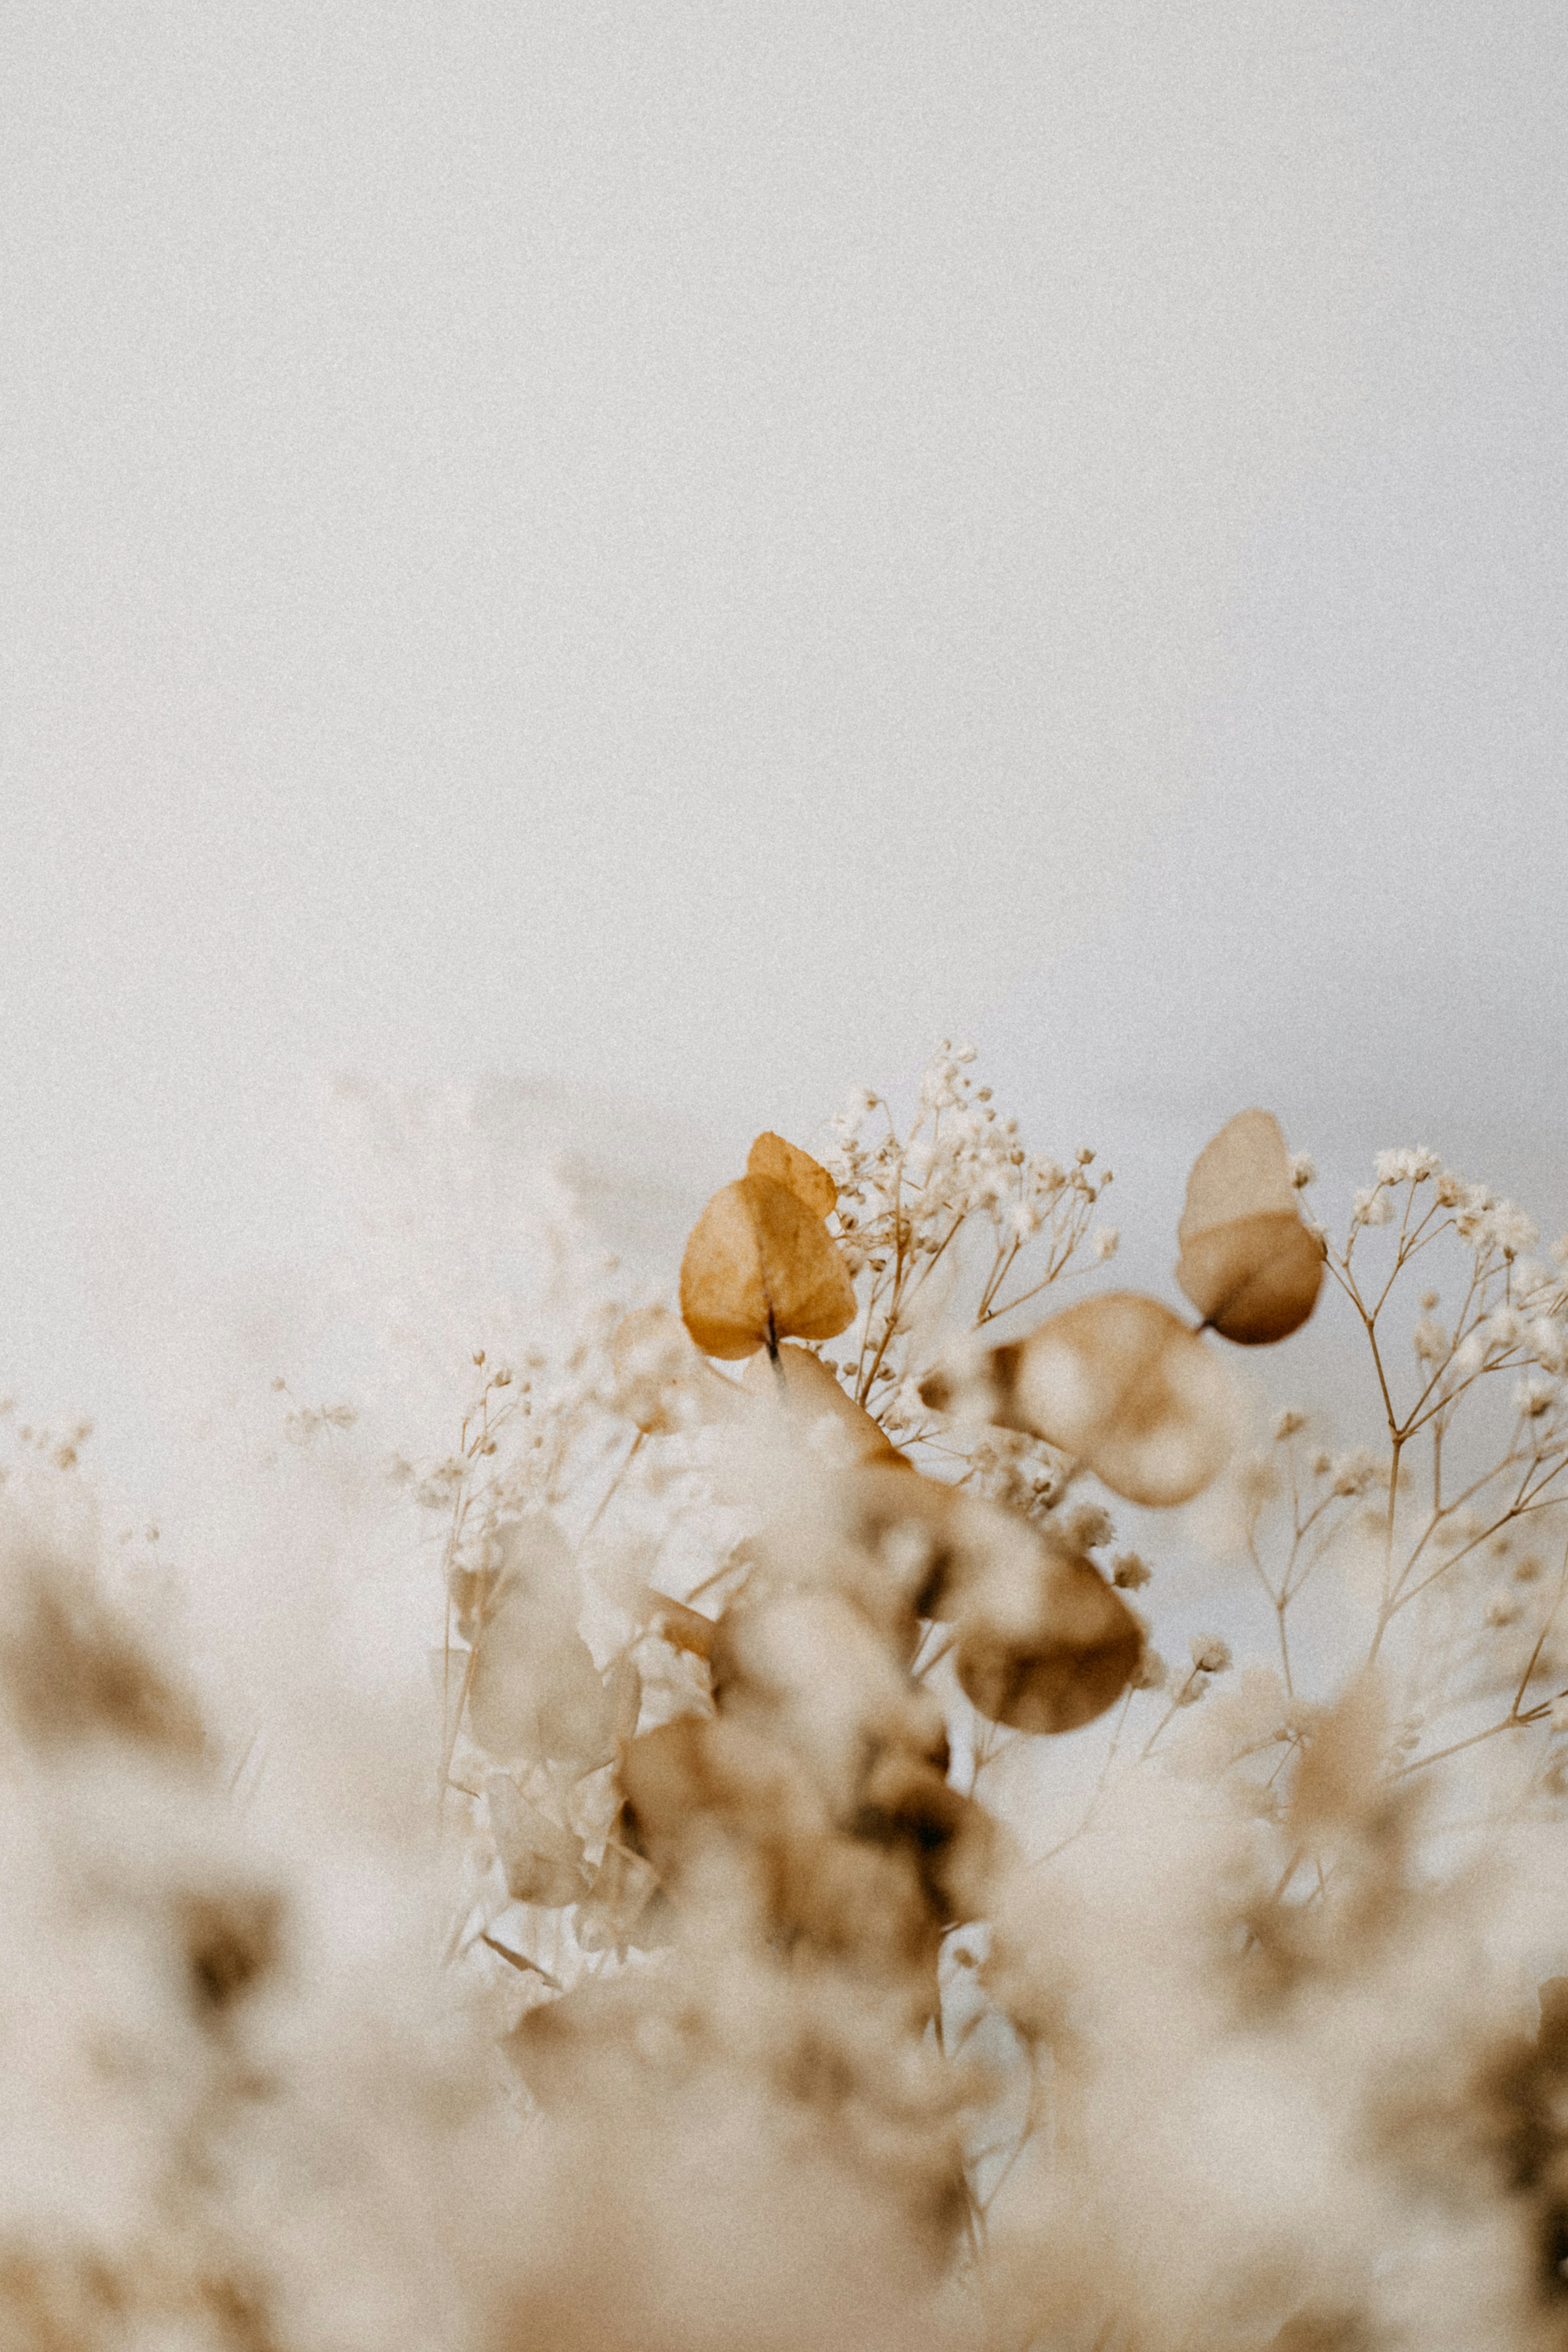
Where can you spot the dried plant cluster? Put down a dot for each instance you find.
(804, 1908)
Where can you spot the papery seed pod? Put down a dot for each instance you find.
(931, 1543)
(770, 1155)
(956, 1844)
(805, 1670)
(542, 1860)
(803, 1386)
(1341, 1781)
(1053, 1660)
(760, 1266)
(1120, 1382)
(1247, 1261)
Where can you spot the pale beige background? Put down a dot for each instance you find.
(694, 548)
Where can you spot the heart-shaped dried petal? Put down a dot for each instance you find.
(760, 1265)
(787, 1164)
(1058, 1660)
(803, 1386)
(1248, 1263)
(1120, 1382)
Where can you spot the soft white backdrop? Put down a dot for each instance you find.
(694, 549)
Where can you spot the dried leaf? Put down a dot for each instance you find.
(760, 1266)
(802, 1384)
(1051, 1657)
(787, 1164)
(1247, 1261)
(1120, 1382)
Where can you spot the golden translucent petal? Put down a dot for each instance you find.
(788, 1165)
(1071, 1659)
(1247, 1261)
(758, 1263)
(1120, 1382)
(802, 1384)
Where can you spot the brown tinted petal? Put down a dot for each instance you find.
(1120, 1382)
(1247, 1261)
(787, 1164)
(932, 1543)
(1340, 1782)
(759, 1261)
(803, 1385)
(1070, 1660)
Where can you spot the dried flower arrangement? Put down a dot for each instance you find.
(810, 1912)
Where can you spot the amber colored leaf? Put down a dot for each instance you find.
(807, 1391)
(1058, 1662)
(1247, 1261)
(787, 1164)
(761, 1266)
(1120, 1382)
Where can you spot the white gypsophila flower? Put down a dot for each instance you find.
(1469, 1356)
(1548, 1344)
(1511, 1230)
(1502, 1608)
(1406, 1166)
(1129, 1573)
(1532, 1396)
(1429, 1340)
(1304, 1171)
(1103, 1243)
(1503, 1328)
(1210, 1652)
(1354, 1472)
(1087, 1526)
(1371, 1206)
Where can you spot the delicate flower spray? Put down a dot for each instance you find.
(797, 1905)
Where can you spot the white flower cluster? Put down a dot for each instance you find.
(961, 1158)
